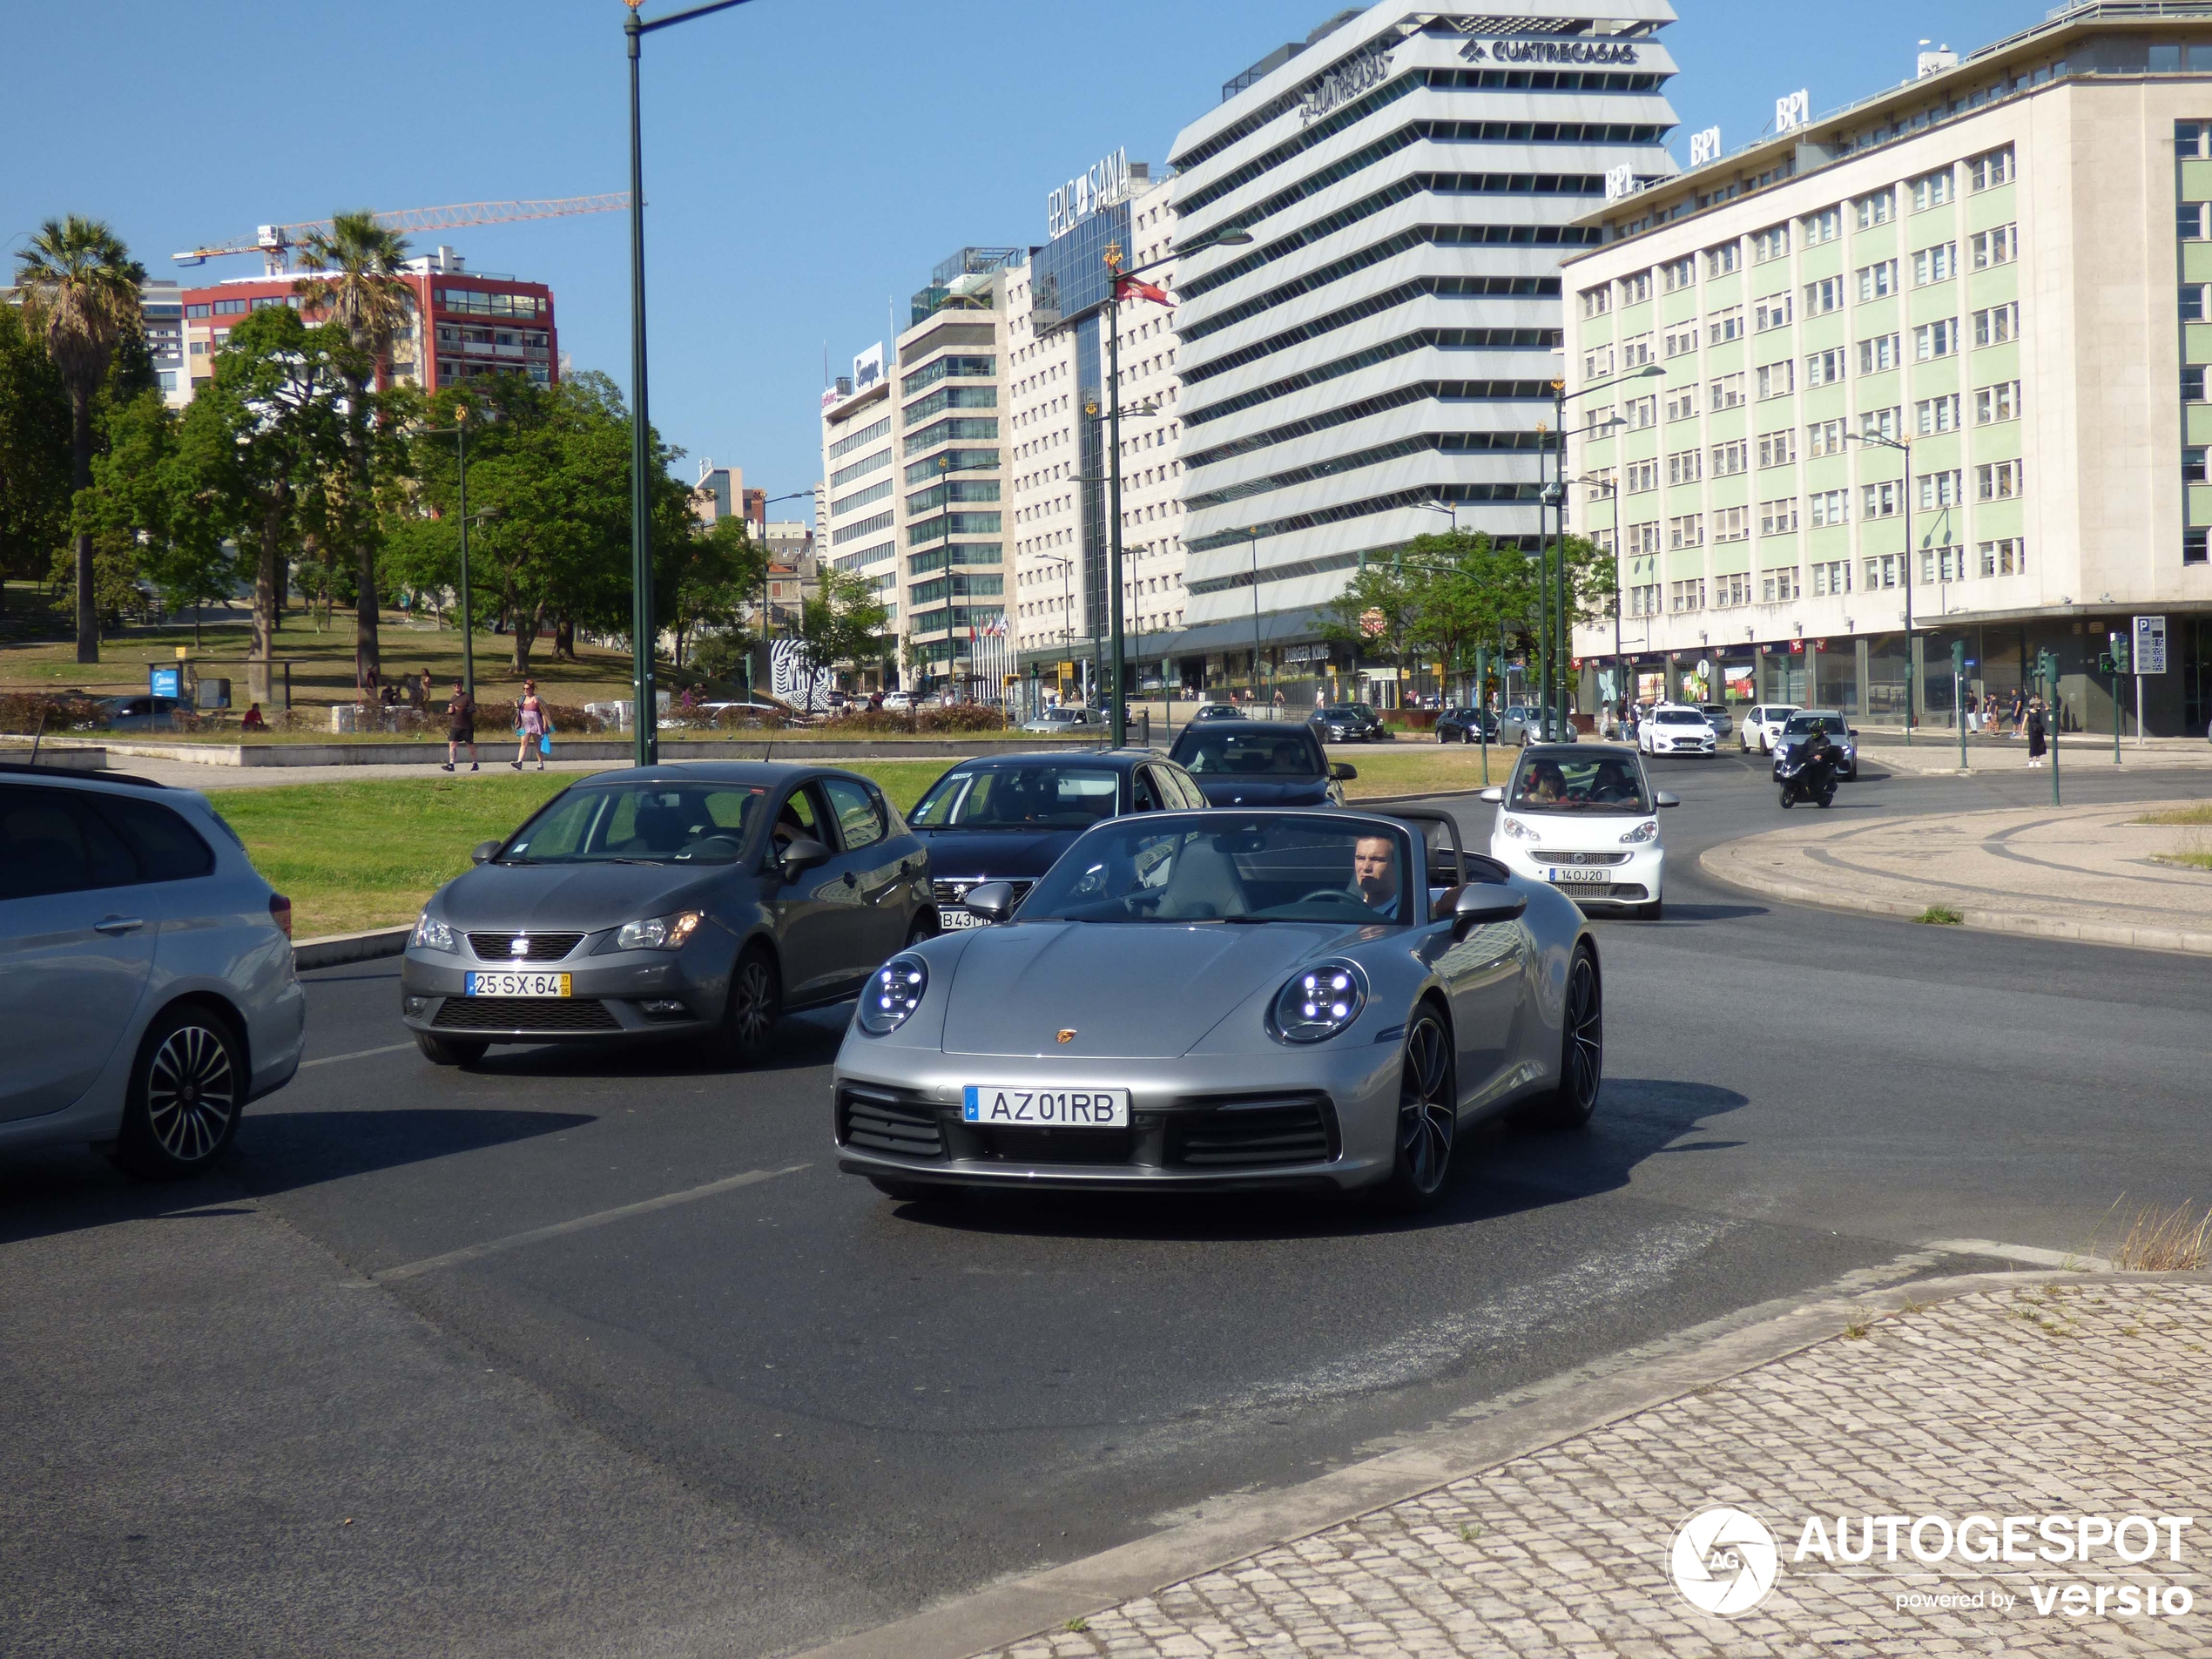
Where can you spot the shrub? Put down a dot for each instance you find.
(20, 712)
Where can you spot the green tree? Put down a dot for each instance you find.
(80, 293)
(146, 510)
(1376, 612)
(359, 286)
(843, 622)
(706, 581)
(34, 453)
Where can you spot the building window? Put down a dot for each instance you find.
(2192, 466)
(1997, 324)
(1689, 530)
(1885, 570)
(1683, 467)
(1719, 262)
(1773, 312)
(1823, 296)
(1688, 595)
(1934, 340)
(1942, 490)
(1943, 564)
(1778, 517)
(1879, 355)
(1778, 448)
(1997, 402)
(1934, 414)
(1641, 475)
(2193, 384)
(1597, 364)
(1681, 404)
(1645, 600)
(1734, 589)
(1723, 326)
(1937, 264)
(1882, 500)
(1641, 411)
(1879, 280)
(1825, 367)
(1874, 210)
(1728, 459)
(2192, 137)
(1828, 508)
(1636, 352)
(2000, 247)
(2193, 550)
(1991, 169)
(1881, 423)
(1677, 274)
(1680, 342)
(1770, 243)
(1732, 524)
(1823, 226)
(2193, 303)
(1830, 577)
(1636, 288)
(1930, 189)
(1643, 539)
(1824, 438)
(1597, 301)
(2189, 221)
(1997, 480)
(2006, 557)
(1779, 379)
(1778, 586)
(1727, 392)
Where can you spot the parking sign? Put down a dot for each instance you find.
(2150, 645)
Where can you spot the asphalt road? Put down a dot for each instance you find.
(400, 1382)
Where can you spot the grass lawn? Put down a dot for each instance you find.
(356, 855)
(1416, 768)
(2201, 812)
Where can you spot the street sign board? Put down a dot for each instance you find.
(162, 682)
(2150, 645)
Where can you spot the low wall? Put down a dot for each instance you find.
(924, 747)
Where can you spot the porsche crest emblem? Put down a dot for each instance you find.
(1068, 1035)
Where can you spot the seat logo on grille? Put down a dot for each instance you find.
(1068, 1035)
(518, 945)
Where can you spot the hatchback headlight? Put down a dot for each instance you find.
(433, 935)
(1647, 830)
(894, 991)
(1516, 830)
(659, 932)
(1320, 1003)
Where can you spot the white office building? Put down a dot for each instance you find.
(1386, 344)
(1934, 375)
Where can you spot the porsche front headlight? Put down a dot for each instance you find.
(894, 992)
(431, 934)
(1320, 1002)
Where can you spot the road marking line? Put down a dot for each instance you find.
(2027, 1255)
(515, 1241)
(358, 1054)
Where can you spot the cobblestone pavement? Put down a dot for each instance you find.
(2080, 1398)
(2086, 872)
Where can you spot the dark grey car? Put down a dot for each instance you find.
(696, 899)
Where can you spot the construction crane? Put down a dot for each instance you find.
(274, 243)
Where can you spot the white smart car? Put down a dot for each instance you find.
(1676, 729)
(1761, 725)
(1585, 819)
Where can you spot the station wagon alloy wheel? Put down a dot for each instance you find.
(187, 1092)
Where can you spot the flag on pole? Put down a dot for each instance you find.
(1132, 289)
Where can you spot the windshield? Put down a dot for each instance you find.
(1348, 712)
(1225, 869)
(1801, 724)
(1679, 717)
(638, 824)
(1045, 796)
(1247, 754)
(1610, 784)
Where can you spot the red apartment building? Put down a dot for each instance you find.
(478, 324)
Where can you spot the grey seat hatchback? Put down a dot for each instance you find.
(146, 983)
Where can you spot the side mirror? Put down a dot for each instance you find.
(801, 855)
(1667, 798)
(993, 901)
(1495, 794)
(1852, 731)
(1342, 772)
(1481, 903)
(483, 851)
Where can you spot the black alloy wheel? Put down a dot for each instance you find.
(756, 1000)
(926, 927)
(1581, 1059)
(187, 1091)
(1428, 1118)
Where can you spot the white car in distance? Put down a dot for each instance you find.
(1676, 729)
(1761, 725)
(1586, 819)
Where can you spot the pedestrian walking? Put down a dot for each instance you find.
(2037, 728)
(2019, 713)
(461, 727)
(530, 713)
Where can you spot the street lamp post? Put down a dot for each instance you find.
(1254, 533)
(1560, 398)
(459, 432)
(1911, 679)
(642, 626)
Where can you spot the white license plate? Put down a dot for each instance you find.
(507, 984)
(1570, 875)
(988, 1103)
(952, 915)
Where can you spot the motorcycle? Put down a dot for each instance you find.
(1806, 774)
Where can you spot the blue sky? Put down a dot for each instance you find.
(808, 161)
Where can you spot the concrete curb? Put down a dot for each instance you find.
(354, 756)
(1716, 863)
(1042, 1601)
(333, 950)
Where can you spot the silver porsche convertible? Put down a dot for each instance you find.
(1319, 999)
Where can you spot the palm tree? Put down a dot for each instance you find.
(80, 291)
(360, 287)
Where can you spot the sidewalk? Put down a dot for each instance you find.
(2078, 872)
(1935, 750)
(1996, 1395)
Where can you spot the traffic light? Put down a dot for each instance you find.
(2119, 653)
(2046, 668)
(2104, 663)
(1958, 657)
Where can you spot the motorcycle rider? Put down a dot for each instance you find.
(1811, 766)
